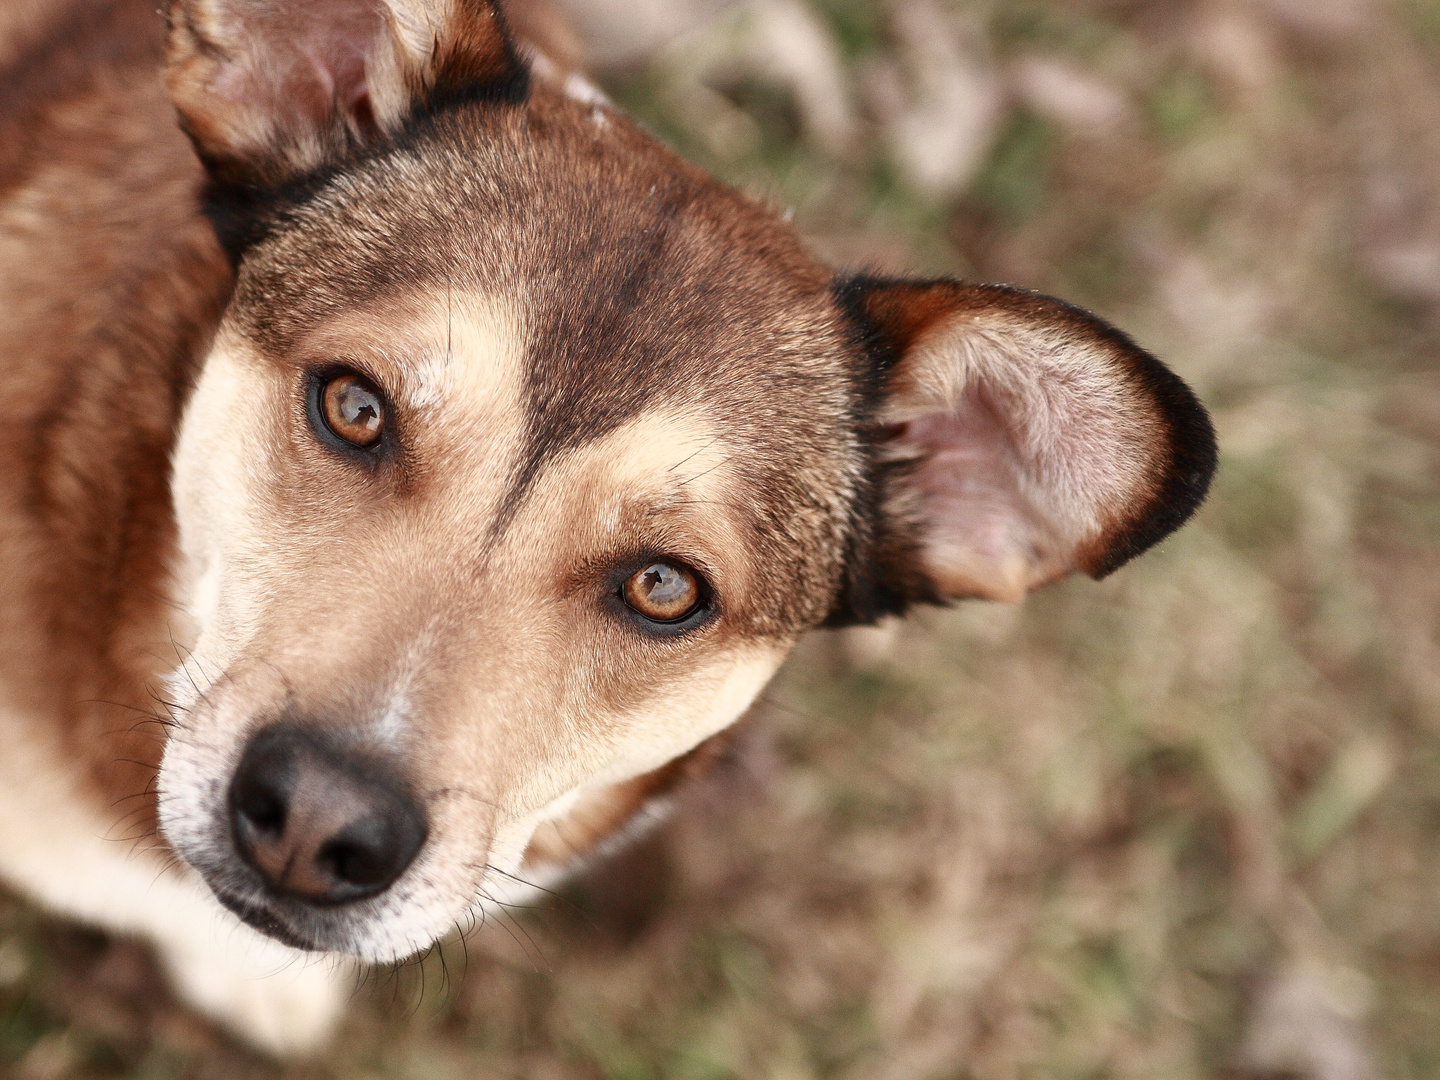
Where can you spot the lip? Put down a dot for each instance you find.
(267, 923)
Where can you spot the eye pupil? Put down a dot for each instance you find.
(663, 592)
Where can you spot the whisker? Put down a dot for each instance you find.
(506, 921)
(707, 472)
(697, 453)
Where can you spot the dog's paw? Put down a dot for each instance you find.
(283, 1002)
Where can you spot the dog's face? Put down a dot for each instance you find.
(525, 453)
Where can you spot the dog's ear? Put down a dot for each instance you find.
(1019, 438)
(269, 91)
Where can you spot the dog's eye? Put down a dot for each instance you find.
(353, 409)
(663, 592)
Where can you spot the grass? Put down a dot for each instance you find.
(1181, 823)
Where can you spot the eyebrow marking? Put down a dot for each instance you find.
(634, 452)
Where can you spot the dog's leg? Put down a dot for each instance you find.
(275, 998)
(56, 848)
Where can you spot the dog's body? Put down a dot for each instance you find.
(515, 455)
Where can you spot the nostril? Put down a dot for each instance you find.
(363, 856)
(263, 809)
(371, 851)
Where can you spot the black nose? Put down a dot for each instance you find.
(321, 822)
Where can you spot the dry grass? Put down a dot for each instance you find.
(1179, 824)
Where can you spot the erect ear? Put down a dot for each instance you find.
(1019, 438)
(270, 90)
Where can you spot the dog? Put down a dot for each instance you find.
(455, 465)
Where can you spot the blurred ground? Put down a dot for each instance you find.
(1180, 824)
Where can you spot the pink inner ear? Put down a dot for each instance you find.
(1039, 439)
(352, 91)
(981, 535)
(298, 64)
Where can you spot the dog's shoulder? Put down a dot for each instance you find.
(111, 283)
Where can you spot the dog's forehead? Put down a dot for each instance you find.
(630, 270)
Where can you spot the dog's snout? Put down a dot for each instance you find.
(320, 822)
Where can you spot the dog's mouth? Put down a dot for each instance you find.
(267, 922)
(314, 829)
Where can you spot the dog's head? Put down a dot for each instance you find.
(525, 452)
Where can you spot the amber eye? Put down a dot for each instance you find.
(662, 592)
(353, 409)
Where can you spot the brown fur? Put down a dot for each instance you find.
(98, 380)
(110, 287)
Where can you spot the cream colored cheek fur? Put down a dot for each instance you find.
(211, 488)
(71, 861)
(709, 700)
(440, 892)
(663, 458)
(661, 453)
(68, 859)
(462, 367)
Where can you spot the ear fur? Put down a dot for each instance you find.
(270, 91)
(1017, 439)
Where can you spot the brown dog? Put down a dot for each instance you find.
(461, 462)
